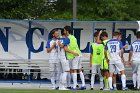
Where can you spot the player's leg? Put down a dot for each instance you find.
(138, 77)
(58, 74)
(101, 77)
(111, 71)
(134, 76)
(83, 87)
(93, 73)
(52, 74)
(120, 67)
(66, 70)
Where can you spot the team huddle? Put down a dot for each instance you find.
(106, 60)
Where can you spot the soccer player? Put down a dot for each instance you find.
(54, 63)
(102, 39)
(64, 61)
(134, 61)
(74, 56)
(115, 48)
(96, 58)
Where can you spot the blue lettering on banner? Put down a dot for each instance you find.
(4, 38)
(29, 40)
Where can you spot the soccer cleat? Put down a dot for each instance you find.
(124, 88)
(57, 88)
(112, 89)
(101, 88)
(68, 87)
(91, 89)
(83, 88)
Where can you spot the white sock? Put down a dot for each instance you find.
(114, 85)
(64, 78)
(138, 80)
(92, 80)
(101, 82)
(123, 78)
(82, 78)
(110, 82)
(74, 75)
(134, 77)
(52, 75)
(68, 79)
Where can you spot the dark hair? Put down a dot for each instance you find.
(68, 28)
(138, 34)
(52, 32)
(116, 34)
(62, 32)
(96, 34)
(104, 34)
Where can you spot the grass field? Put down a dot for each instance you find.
(58, 91)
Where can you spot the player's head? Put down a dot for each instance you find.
(104, 35)
(120, 36)
(138, 35)
(67, 30)
(96, 35)
(54, 33)
(116, 35)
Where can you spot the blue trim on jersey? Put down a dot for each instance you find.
(48, 43)
(120, 43)
(67, 41)
(91, 49)
(131, 48)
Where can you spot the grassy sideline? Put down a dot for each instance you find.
(58, 91)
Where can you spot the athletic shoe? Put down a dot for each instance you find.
(112, 89)
(57, 88)
(124, 88)
(83, 88)
(91, 89)
(101, 88)
(68, 87)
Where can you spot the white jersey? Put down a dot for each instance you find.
(135, 48)
(114, 47)
(53, 55)
(61, 51)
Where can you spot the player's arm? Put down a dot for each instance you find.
(60, 44)
(49, 49)
(130, 55)
(98, 38)
(70, 51)
(105, 52)
(122, 57)
(91, 55)
(90, 60)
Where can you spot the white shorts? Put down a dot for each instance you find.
(75, 63)
(135, 66)
(118, 65)
(64, 64)
(96, 69)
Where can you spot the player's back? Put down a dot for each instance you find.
(135, 47)
(114, 47)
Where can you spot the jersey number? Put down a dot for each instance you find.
(113, 48)
(137, 48)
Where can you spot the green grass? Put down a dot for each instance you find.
(58, 91)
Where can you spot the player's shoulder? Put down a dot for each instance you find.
(136, 42)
